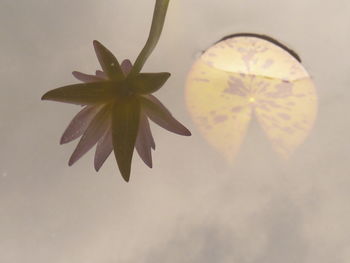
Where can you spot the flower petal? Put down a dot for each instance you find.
(103, 149)
(92, 134)
(145, 141)
(159, 13)
(157, 112)
(83, 93)
(79, 124)
(125, 123)
(146, 83)
(101, 74)
(108, 62)
(126, 66)
(86, 77)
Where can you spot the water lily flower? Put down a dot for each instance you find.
(118, 105)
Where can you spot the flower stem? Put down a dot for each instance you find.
(159, 14)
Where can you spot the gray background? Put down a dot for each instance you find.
(192, 206)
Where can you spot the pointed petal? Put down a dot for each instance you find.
(86, 77)
(144, 141)
(103, 149)
(92, 134)
(126, 66)
(108, 62)
(157, 112)
(101, 74)
(146, 83)
(79, 124)
(125, 123)
(159, 13)
(82, 93)
(148, 133)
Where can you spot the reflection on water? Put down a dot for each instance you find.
(247, 77)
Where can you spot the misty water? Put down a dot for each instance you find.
(192, 206)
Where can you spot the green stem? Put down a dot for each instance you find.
(159, 14)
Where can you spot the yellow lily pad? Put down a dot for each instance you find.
(247, 77)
